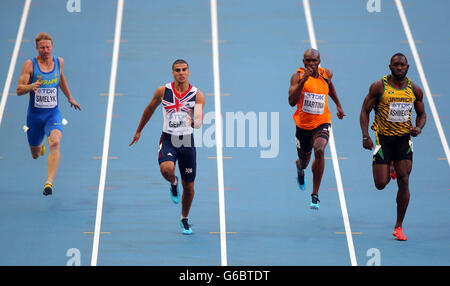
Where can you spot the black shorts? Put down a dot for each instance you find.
(305, 138)
(392, 148)
(181, 148)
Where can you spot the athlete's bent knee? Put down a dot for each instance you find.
(167, 169)
(188, 186)
(403, 180)
(380, 185)
(54, 144)
(319, 152)
(35, 152)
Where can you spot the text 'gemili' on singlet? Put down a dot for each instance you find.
(176, 108)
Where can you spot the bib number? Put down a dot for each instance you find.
(46, 98)
(313, 103)
(178, 123)
(399, 111)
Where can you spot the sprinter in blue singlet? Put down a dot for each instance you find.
(41, 78)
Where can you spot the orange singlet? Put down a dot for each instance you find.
(312, 108)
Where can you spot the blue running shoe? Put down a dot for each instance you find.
(314, 202)
(174, 193)
(185, 226)
(301, 181)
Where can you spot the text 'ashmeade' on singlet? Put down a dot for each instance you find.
(393, 110)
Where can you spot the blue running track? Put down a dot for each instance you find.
(268, 220)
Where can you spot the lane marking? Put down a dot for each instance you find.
(100, 157)
(112, 86)
(318, 41)
(222, 94)
(112, 41)
(220, 55)
(218, 121)
(212, 157)
(15, 53)
(120, 55)
(210, 41)
(217, 232)
(345, 189)
(14, 40)
(342, 232)
(351, 249)
(106, 94)
(421, 72)
(406, 42)
(104, 115)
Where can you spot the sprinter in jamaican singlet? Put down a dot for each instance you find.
(309, 90)
(182, 111)
(392, 98)
(41, 78)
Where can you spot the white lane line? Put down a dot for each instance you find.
(337, 171)
(218, 114)
(15, 53)
(112, 86)
(425, 85)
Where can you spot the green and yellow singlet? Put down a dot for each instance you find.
(393, 110)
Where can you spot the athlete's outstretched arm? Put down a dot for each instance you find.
(148, 112)
(65, 87)
(333, 95)
(24, 86)
(419, 107)
(375, 91)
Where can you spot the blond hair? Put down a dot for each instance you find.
(43, 36)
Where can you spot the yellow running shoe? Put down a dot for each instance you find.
(48, 189)
(42, 148)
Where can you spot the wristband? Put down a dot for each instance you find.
(365, 138)
(31, 87)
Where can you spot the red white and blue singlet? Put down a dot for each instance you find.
(177, 139)
(175, 109)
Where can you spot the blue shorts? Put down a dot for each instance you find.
(181, 148)
(41, 124)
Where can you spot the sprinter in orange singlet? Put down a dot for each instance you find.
(309, 90)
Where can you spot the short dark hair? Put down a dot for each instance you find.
(399, 55)
(179, 61)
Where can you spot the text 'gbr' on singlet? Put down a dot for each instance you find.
(393, 110)
(176, 108)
